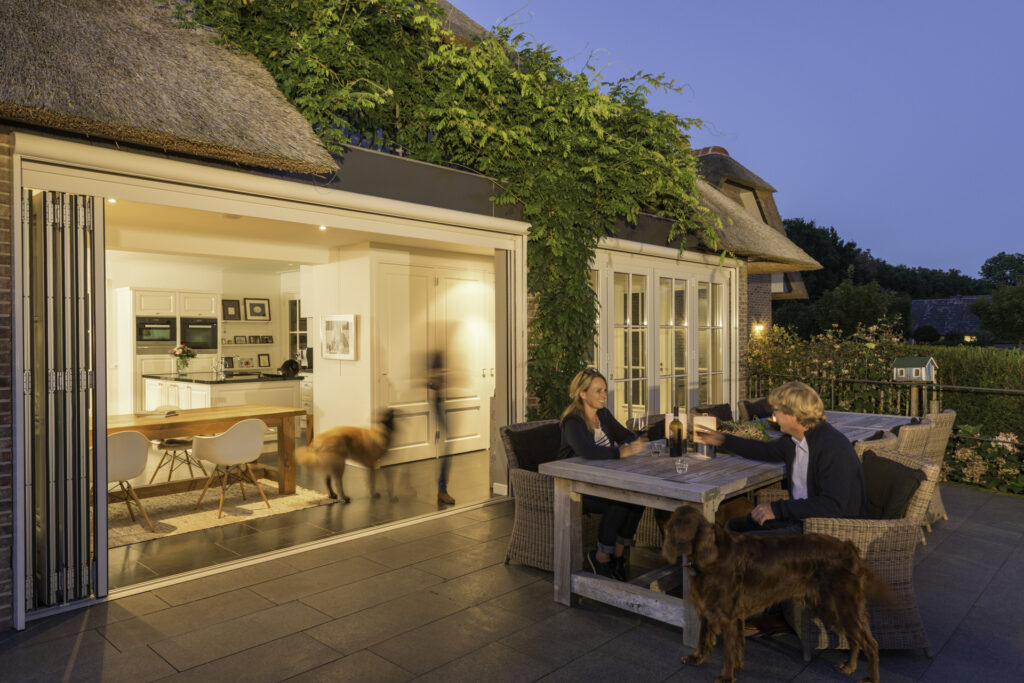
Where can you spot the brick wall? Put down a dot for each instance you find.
(6, 408)
(759, 310)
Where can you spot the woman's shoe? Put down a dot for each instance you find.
(620, 570)
(598, 567)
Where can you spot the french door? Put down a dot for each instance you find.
(62, 443)
(665, 337)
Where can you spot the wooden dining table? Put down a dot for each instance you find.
(653, 482)
(213, 421)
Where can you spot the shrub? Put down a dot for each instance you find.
(991, 463)
(926, 334)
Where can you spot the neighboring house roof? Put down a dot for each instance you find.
(122, 70)
(945, 315)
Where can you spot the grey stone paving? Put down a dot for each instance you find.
(435, 602)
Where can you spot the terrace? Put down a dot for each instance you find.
(433, 600)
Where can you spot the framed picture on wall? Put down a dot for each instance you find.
(264, 360)
(268, 339)
(230, 309)
(245, 362)
(339, 337)
(241, 339)
(257, 309)
(254, 339)
(229, 362)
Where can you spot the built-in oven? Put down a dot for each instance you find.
(199, 333)
(155, 334)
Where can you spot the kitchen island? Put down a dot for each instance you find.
(217, 389)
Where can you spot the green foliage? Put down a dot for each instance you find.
(577, 153)
(991, 463)
(926, 334)
(850, 305)
(824, 245)
(1004, 269)
(1003, 313)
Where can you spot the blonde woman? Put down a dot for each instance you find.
(589, 430)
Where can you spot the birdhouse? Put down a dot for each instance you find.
(915, 369)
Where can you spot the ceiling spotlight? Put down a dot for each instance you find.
(111, 201)
(323, 227)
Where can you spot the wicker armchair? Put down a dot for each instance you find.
(912, 438)
(886, 443)
(888, 546)
(935, 450)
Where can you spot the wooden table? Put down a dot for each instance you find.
(651, 482)
(857, 426)
(213, 421)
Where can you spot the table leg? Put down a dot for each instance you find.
(286, 455)
(563, 541)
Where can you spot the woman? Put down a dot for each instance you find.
(591, 431)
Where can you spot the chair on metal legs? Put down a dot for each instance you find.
(177, 451)
(231, 452)
(126, 459)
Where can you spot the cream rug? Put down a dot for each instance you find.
(175, 513)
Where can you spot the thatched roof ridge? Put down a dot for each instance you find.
(765, 248)
(715, 167)
(121, 70)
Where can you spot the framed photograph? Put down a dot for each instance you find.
(229, 362)
(254, 339)
(257, 309)
(264, 359)
(245, 362)
(230, 309)
(268, 339)
(339, 337)
(241, 339)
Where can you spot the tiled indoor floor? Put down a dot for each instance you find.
(433, 601)
(415, 485)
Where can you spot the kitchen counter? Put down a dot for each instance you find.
(223, 378)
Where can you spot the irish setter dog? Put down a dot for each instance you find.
(735, 576)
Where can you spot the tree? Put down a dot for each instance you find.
(578, 153)
(1003, 313)
(1004, 269)
(849, 304)
(826, 247)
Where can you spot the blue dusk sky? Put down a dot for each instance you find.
(899, 123)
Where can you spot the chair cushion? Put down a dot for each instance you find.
(890, 486)
(759, 408)
(536, 445)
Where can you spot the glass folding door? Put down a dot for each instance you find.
(630, 372)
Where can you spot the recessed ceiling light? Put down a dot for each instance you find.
(112, 201)
(323, 227)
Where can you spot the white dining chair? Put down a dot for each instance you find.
(127, 453)
(231, 452)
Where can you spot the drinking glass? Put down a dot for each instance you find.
(682, 466)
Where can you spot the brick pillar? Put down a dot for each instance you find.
(6, 377)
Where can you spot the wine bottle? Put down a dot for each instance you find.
(675, 430)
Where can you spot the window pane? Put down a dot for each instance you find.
(703, 294)
(664, 350)
(680, 351)
(703, 350)
(716, 305)
(665, 301)
(619, 340)
(639, 352)
(638, 405)
(716, 349)
(680, 302)
(638, 314)
(620, 299)
(702, 395)
(680, 396)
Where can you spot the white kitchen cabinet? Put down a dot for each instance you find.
(155, 302)
(193, 395)
(150, 365)
(198, 305)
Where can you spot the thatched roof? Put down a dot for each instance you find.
(121, 70)
(716, 165)
(767, 250)
(460, 24)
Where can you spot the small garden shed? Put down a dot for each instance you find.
(915, 369)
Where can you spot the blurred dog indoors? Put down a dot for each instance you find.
(331, 450)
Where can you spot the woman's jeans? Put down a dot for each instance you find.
(618, 521)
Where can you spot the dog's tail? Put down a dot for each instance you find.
(307, 456)
(877, 590)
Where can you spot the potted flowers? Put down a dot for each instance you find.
(182, 355)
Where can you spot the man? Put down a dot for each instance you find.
(823, 474)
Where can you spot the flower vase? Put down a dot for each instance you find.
(182, 366)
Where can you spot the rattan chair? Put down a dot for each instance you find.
(935, 450)
(888, 546)
(913, 438)
(887, 442)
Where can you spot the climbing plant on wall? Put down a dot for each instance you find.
(578, 153)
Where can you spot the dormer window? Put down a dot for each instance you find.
(747, 197)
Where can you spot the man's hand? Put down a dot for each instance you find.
(762, 513)
(709, 435)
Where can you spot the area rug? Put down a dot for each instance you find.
(175, 513)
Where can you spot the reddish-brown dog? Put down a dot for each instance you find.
(735, 576)
(331, 450)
